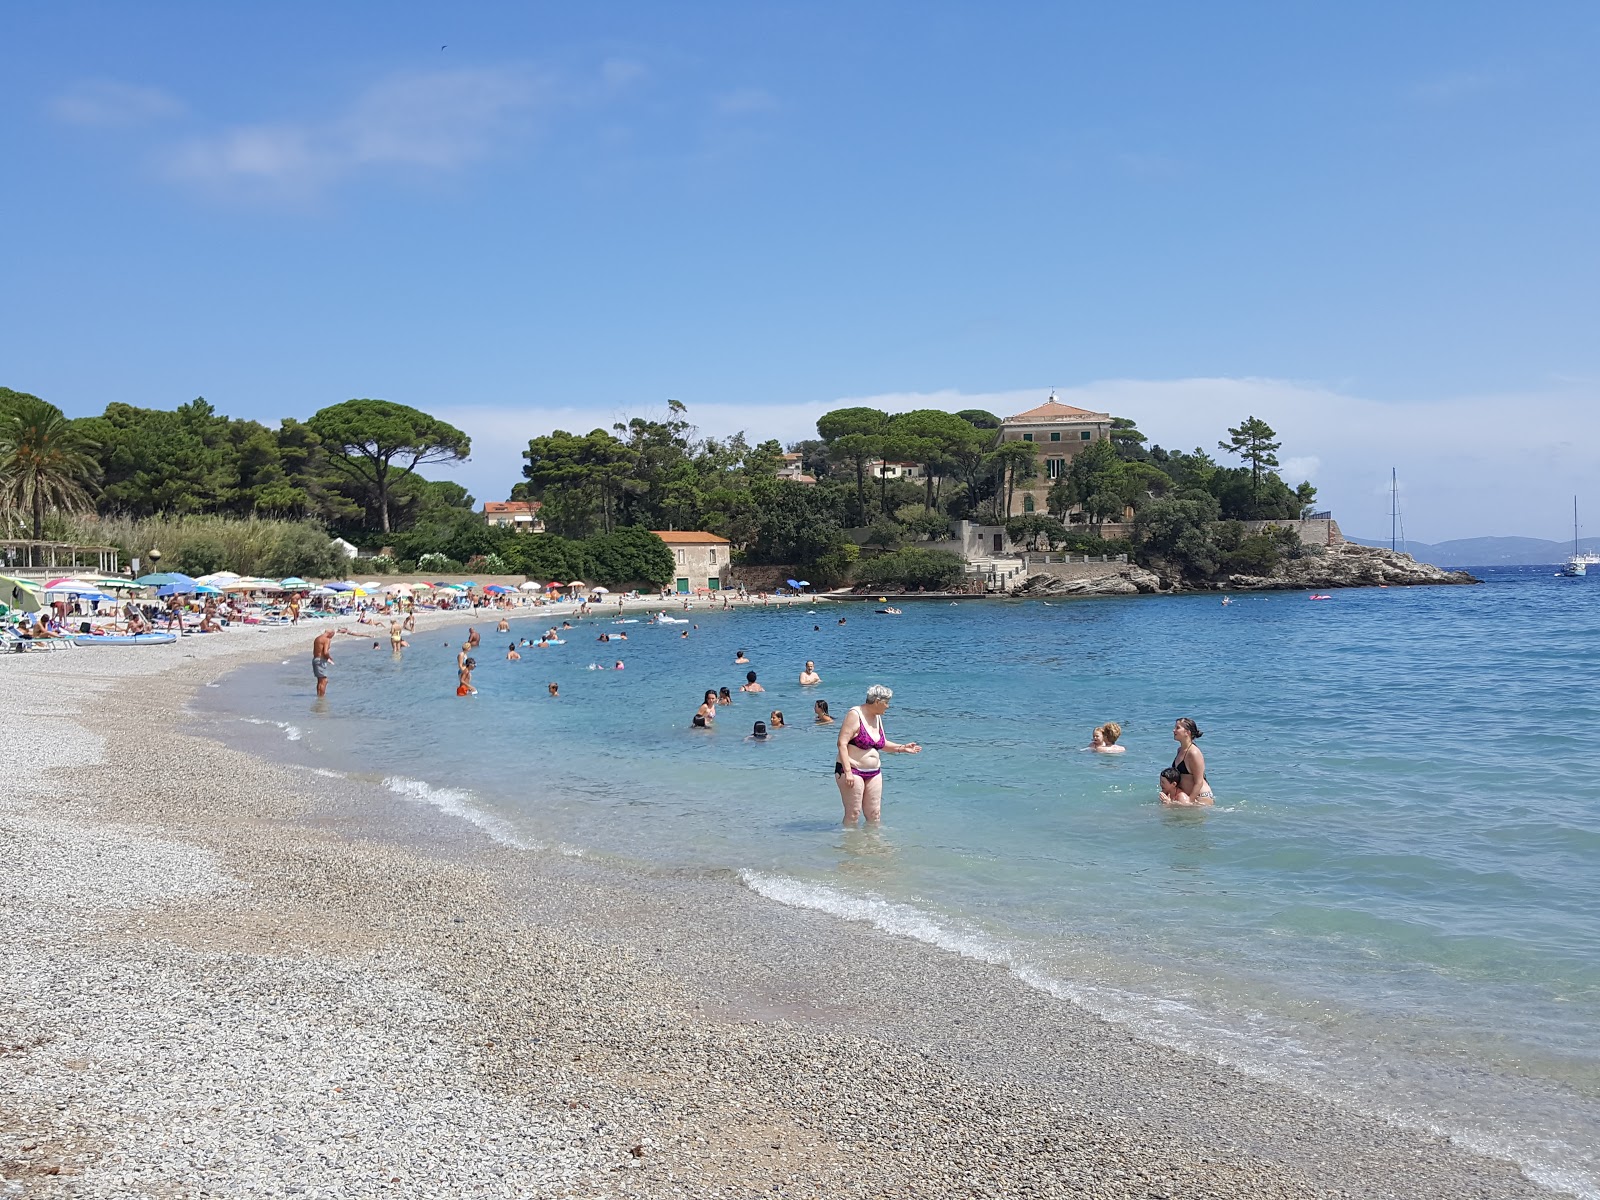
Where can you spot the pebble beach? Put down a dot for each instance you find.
(232, 977)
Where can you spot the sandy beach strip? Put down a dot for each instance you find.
(229, 977)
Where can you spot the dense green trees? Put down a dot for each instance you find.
(351, 469)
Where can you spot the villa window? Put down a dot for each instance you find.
(1085, 435)
(680, 558)
(713, 553)
(1027, 437)
(1055, 468)
(1056, 437)
(1027, 503)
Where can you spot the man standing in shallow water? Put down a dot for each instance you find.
(322, 659)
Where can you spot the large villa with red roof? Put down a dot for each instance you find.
(1058, 431)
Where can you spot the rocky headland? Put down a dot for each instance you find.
(1342, 565)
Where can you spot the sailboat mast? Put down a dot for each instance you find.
(1394, 505)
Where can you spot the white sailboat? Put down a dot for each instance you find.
(1578, 565)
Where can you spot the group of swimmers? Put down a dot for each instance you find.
(1183, 784)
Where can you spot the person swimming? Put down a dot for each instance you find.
(809, 676)
(776, 719)
(759, 733)
(708, 707)
(824, 717)
(740, 660)
(750, 684)
(1104, 739)
(464, 680)
(511, 653)
(1172, 793)
(555, 689)
(1189, 763)
(724, 696)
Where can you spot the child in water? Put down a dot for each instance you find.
(1172, 792)
(464, 687)
(1104, 739)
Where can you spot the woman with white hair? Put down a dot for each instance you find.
(858, 770)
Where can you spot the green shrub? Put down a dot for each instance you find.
(629, 555)
(1256, 554)
(913, 567)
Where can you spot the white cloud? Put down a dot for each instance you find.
(1469, 466)
(435, 121)
(1459, 85)
(746, 100)
(105, 103)
(1302, 467)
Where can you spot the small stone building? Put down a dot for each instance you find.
(700, 560)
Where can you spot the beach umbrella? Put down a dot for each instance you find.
(18, 593)
(294, 581)
(177, 589)
(600, 591)
(496, 589)
(205, 589)
(337, 587)
(372, 585)
(319, 590)
(69, 587)
(218, 578)
(396, 589)
(576, 583)
(530, 586)
(469, 583)
(164, 578)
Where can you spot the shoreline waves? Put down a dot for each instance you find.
(304, 985)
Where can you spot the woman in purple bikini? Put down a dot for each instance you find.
(858, 770)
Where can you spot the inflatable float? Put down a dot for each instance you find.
(125, 639)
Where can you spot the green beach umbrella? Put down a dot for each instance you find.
(18, 594)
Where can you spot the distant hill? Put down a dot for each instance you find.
(1488, 551)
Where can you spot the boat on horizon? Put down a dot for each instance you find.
(1578, 565)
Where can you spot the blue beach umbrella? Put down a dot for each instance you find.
(177, 589)
(166, 578)
(339, 587)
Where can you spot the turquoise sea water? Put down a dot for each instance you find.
(1396, 901)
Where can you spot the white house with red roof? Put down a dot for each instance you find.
(520, 515)
(1058, 432)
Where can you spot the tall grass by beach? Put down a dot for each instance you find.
(198, 545)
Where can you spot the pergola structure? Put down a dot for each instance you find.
(58, 558)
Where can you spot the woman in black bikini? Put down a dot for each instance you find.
(1189, 763)
(857, 769)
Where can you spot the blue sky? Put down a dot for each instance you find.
(1373, 225)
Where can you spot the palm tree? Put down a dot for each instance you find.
(44, 461)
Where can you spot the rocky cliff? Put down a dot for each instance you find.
(1344, 565)
(1338, 566)
(1108, 579)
